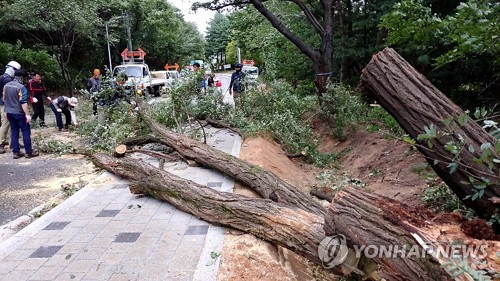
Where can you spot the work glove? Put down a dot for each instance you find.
(59, 110)
(49, 98)
(28, 118)
(35, 100)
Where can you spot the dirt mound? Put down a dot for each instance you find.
(384, 166)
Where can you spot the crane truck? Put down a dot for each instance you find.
(140, 79)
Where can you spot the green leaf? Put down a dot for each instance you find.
(462, 119)
(477, 113)
(485, 146)
(409, 140)
(453, 167)
(471, 149)
(481, 193)
(447, 120)
(474, 197)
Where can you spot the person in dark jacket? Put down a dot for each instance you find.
(6, 77)
(64, 105)
(37, 94)
(237, 86)
(15, 97)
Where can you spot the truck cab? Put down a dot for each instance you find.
(251, 72)
(139, 76)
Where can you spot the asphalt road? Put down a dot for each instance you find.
(28, 183)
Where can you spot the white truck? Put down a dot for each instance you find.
(140, 78)
(251, 72)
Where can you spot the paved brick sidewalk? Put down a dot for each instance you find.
(103, 232)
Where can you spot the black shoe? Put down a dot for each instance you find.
(42, 125)
(2, 150)
(18, 155)
(34, 153)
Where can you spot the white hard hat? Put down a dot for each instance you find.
(73, 101)
(14, 64)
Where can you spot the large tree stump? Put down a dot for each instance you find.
(279, 223)
(414, 102)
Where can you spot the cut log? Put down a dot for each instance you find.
(120, 150)
(414, 102)
(374, 221)
(264, 182)
(279, 223)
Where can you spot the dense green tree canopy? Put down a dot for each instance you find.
(218, 34)
(73, 32)
(459, 51)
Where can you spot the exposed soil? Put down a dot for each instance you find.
(370, 161)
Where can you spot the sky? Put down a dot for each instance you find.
(200, 18)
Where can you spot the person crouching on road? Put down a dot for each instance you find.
(37, 93)
(66, 106)
(15, 97)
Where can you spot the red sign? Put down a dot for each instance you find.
(248, 62)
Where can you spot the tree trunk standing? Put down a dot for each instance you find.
(414, 102)
(65, 74)
(285, 225)
(265, 183)
(322, 57)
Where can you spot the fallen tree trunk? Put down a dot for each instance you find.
(415, 103)
(285, 225)
(379, 223)
(265, 183)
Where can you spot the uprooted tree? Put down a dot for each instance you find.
(286, 216)
(291, 218)
(460, 151)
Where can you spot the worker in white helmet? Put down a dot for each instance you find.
(7, 77)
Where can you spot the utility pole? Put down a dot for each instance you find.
(129, 36)
(109, 49)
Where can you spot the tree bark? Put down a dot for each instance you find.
(265, 183)
(372, 220)
(414, 102)
(285, 225)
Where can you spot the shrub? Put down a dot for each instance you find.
(342, 108)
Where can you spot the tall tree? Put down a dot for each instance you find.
(159, 29)
(273, 53)
(56, 26)
(218, 35)
(319, 15)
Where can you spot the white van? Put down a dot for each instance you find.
(251, 72)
